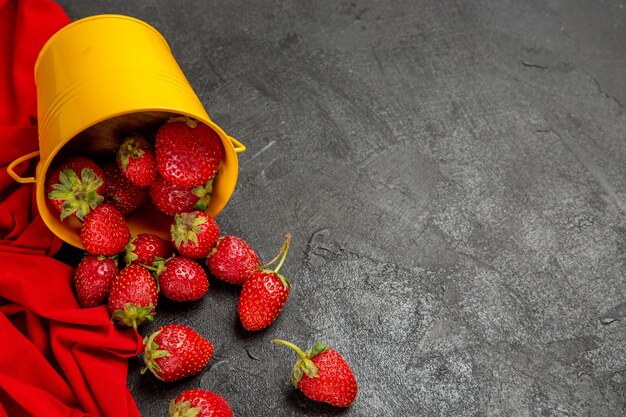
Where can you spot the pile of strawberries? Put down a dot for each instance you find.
(175, 171)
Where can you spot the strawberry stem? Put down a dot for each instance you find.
(304, 365)
(286, 249)
(283, 252)
(299, 351)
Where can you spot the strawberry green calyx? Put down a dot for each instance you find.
(132, 147)
(158, 267)
(152, 352)
(203, 192)
(183, 409)
(186, 228)
(79, 195)
(282, 255)
(304, 365)
(134, 315)
(188, 120)
(129, 251)
(282, 278)
(215, 247)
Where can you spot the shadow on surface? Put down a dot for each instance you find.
(298, 400)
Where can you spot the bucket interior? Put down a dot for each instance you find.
(100, 142)
(102, 139)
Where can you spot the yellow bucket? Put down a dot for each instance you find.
(101, 78)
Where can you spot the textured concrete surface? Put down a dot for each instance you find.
(454, 175)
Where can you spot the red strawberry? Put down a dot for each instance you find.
(194, 234)
(135, 158)
(93, 278)
(175, 351)
(104, 231)
(181, 279)
(200, 403)
(144, 248)
(188, 152)
(76, 187)
(172, 199)
(120, 192)
(232, 260)
(264, 295)
(133, 297)
(322, 374)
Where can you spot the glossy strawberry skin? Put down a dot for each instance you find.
(198, 224)
(104, 231)
(183, 279)
(93, 278)
(76, 164)
(144, 248)
(232, 260)
(136, 161)
(209, 403)
(187, 352)
(172, 199)
(188, 156)
(262, 298)
(335, 382)
(133, 289)
(121, 193)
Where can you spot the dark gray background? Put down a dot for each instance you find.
(454, 176)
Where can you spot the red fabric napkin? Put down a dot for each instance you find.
(56, 359)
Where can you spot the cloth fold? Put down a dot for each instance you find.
(56, 359)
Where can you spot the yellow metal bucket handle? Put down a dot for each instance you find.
(27, 180)
(239, 147)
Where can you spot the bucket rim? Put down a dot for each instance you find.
(71, 25)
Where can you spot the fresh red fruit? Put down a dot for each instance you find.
(322, 374)
(232, 260)
(188, 152)
(175, 351)
(200, 403)
(133, 297)
(121, 193)
(93, 278)
(136, 160)
(104, 231)
(75, 188)
(173, 199)
(181, 279)
(194, 234)
(144, 248)
(264, 295)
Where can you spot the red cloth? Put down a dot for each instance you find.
(56, 359)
